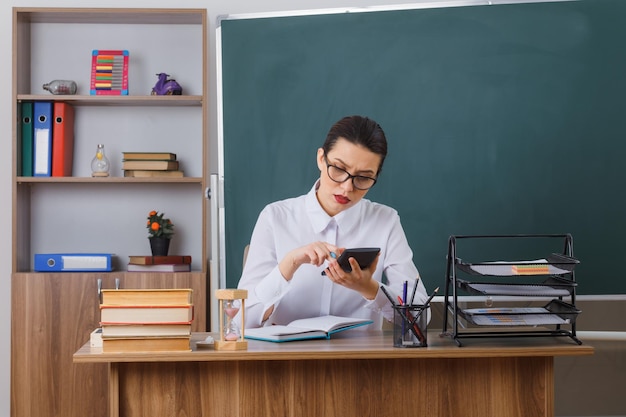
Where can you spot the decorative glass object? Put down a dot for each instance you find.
(231, 302)
(61, 87)
(100, 163)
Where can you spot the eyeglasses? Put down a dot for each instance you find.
(340, 175)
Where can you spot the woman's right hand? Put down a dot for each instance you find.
(315, 253)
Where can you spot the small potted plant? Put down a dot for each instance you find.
(160, 231)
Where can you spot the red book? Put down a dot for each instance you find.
(62, 139)
(159, 260)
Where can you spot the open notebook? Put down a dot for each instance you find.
(303, 329)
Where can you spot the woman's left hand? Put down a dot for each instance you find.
(359, 280)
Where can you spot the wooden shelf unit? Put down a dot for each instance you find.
(54, 313)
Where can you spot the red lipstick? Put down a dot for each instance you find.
(341, 199)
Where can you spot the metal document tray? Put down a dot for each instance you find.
(556, 312)
(551, 287)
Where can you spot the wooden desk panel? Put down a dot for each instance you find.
(362, 387)
(340, 377)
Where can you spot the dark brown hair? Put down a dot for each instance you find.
(361, 131)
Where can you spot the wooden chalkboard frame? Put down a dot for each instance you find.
(513, 122)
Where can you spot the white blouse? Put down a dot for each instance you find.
(288, 224)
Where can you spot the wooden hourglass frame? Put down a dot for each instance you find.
(223, 296)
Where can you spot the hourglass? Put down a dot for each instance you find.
(231, 302)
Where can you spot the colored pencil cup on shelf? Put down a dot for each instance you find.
(410, 325)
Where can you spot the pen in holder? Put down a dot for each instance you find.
(410, 325)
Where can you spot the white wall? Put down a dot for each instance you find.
(215, 8)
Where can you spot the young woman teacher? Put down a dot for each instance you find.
(297, 239)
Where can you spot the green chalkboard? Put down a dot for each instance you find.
(501, 119)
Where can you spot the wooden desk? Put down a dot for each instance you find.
(351, 375)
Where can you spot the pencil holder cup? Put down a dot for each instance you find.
(410, 325)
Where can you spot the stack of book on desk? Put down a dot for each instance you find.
(146, 320)
(151, 164)
(169, 263)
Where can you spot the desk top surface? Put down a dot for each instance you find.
(351, 345)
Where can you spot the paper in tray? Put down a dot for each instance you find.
(517, 319)
(555, 312)
(510, 268)
(506, 310)
(506, 289)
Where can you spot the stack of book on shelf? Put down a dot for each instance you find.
(146, 320)
(151, 164)
(168, 263)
